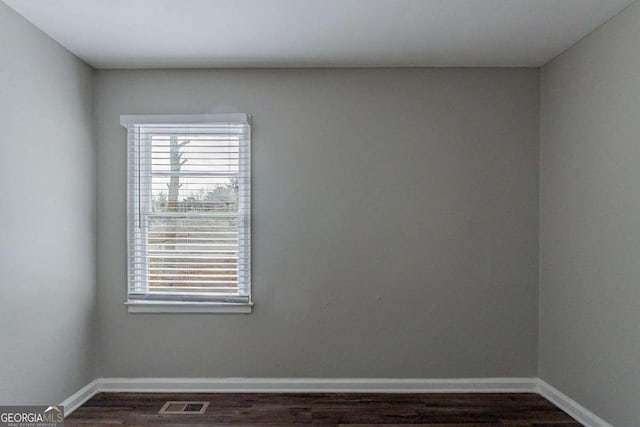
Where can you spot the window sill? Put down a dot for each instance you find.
(188, 307)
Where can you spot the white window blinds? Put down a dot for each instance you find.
(189, 205)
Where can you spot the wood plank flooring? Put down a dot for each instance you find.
(325, 409)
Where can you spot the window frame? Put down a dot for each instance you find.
(141, 301)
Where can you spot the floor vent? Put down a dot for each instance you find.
(183, 408)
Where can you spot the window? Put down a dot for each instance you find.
(189, 206)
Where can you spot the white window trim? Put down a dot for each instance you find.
(134, 306)
(181, 119)
(194, 307)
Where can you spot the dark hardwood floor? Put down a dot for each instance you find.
(327, 409)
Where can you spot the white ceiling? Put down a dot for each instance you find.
(300, 33)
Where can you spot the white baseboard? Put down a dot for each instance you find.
(335, 385)
(311, 385)
(570, 406)
(299, 385)
(78, 398)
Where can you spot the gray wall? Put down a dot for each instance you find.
(47, 241)
(590, 221)
(395, 218)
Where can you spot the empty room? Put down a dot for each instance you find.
(320, 212)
